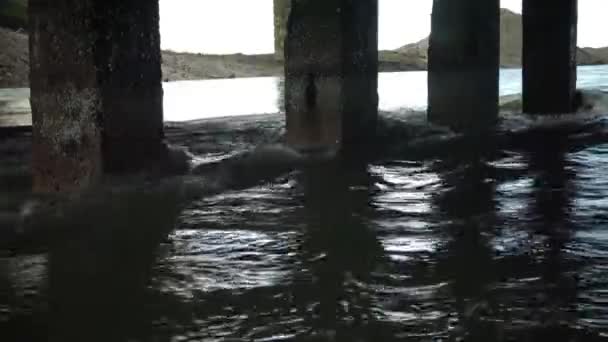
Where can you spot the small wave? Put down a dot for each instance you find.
(592, 101)
(405, 133)
(519, 122)
(408, 131)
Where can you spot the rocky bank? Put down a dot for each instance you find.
(14, 64)
(176, 66)
(511, 43)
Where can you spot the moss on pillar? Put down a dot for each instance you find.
(13, 14)
(281, 13)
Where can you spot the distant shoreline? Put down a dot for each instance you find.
(179, 66)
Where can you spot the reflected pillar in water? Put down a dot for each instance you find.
(331, 72)
(463, 63)
(340, 249)
(96, 90)
(551, 203)
(99, 271)
(549, 55)
(466, 256)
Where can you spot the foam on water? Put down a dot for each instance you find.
(401, 132)
(587, 127)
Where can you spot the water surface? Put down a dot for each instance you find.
(449, 238)
(192, 100)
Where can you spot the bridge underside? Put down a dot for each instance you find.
(96, 89)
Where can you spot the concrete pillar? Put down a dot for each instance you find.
(463, 63)
(281, 13)
(549, 55)
(96, 91)
(331, 72)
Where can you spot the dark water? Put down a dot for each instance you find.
(438, 237)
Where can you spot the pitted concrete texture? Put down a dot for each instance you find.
(96, 92)
(331, 72)
(66, 149)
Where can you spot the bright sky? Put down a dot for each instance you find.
(230, 26)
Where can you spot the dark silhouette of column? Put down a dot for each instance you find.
(96, 90)
(549, 56)
(331, 72)
(463, 63)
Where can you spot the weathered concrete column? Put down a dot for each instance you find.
(96, 91)
(549, 55)
(463, 63)
(331, 72)
(281, 13)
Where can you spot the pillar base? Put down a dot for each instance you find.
(331, 73)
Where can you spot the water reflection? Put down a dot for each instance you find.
(550, 221)
(100, 263)
(340, 250)
(498, 294)
(466, 259)
(481, 243)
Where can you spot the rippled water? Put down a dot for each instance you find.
(499, 238)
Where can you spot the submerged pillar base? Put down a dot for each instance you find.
(96, 91)
(331, 73)
(463, 63)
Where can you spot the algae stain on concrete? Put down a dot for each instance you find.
(281, 13)
(13, 13)
(78, 125)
